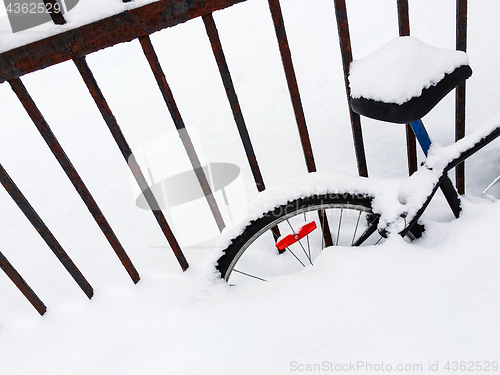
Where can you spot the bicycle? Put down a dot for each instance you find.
(362, 211)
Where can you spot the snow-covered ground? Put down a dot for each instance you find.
(402, 305)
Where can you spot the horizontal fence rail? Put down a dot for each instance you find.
(122, 27)
(140, 23)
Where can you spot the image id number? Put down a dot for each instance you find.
(471, 366)
(32, 8)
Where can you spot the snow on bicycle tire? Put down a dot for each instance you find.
(306, 226)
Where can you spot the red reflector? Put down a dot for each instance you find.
(292, 238)
(306, 229)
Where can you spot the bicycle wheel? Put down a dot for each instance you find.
(305, 226)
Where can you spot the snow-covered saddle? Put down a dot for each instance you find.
(402, 81)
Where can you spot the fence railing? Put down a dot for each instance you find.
(139, 23)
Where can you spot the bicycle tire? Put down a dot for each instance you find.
(255, 230)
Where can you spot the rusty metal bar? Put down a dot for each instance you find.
(411, 149)
(291, 80)
(44, 232)
(411, 144)
(215, 42)
(461, 40)
(154, 63)
(213, 36)
(122, 27)
(293, 88)
(58, 152)
(126, 151)
(325, 228)
(346, 53)
(22, 285)
(403, 18)
(55, 11)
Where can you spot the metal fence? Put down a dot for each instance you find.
(138, 24)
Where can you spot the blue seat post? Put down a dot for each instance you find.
(446, 185)
(422, 135)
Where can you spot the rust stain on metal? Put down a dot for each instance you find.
(213, 36)
(119, 28)
(126, 151)
(403, 18)
(220, 58)
(44, 232)
(54, 9)
(461, 44)
(325, 228)
(411, 143)
(461, 27)
(293, 88)
(291, 80)
(346, 53)
(58, 152)
(154, 63)
(22, 285)
(411, 149)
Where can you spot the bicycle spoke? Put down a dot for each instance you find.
(356, 229)
(340, 223)
(307, 238)
(368, 232)
(295, 256)
(300, 243)
(297, 225)
(247, 274)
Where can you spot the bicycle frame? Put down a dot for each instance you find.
(464, 152)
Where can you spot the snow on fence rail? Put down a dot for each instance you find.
(139, 23)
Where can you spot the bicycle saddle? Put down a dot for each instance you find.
(402, 81)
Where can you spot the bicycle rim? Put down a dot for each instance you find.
(254, 256)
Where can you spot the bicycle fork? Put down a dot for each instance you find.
(445, 183)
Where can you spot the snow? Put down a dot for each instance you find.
(392, 197)
(439, 157)
(85, 12)
(431, 301)
(401, 69)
